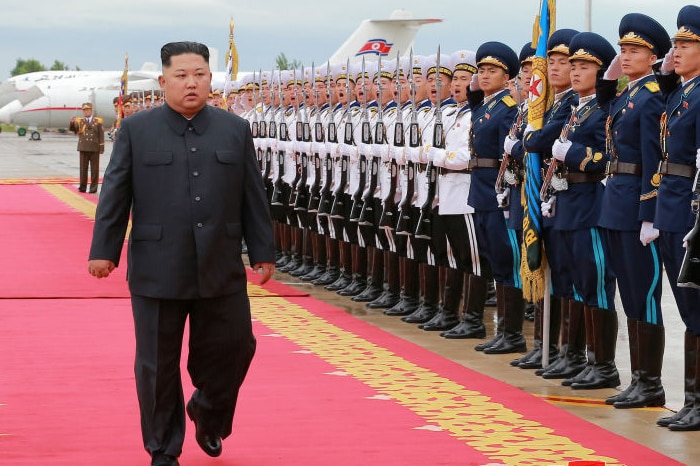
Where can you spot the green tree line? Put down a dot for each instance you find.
(31, 65)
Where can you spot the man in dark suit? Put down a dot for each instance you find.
(91, 143)
(188, 175)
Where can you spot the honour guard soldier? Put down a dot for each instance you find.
(629, 201)
(431, 287)
(674, 217)
(406, 93)
(493, 112)
(584, 251)
(564, 310)
(384, 129)
(339, 213)
(91, 143)
(438, 121)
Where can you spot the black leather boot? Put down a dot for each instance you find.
(375, 277)
(446, 317)
(408, 297)
(513, 340)
(691, 420)
(471, 324)
(691, 357)
(632, 336)
(390, 293)
(604, 372)
(572, 357)
(429, 290)
(590, 350)
(359, 268)
(648, 390)
(491, 294)
(500, 313)
(533, 360)
(331, 274)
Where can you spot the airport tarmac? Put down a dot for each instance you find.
(55, 157)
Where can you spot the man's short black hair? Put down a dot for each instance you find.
(178, 48)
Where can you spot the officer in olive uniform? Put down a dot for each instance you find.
(91, 144)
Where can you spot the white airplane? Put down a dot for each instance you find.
(48, 99)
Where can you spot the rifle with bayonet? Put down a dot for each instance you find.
(319, 137)
(510, 173)
(338, 208)
(689, 275)
(255, 126)
(387, 220)
(404, 225)
(366, 131)
(326, 200)
(367, 213)
(555, 178)
(424, 229)
(277, 193)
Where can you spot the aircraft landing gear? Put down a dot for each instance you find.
(21, 132)
(36, 136)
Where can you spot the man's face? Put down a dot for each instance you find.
(686, 58)
(87, 112)
(186, 83)
(559, 71)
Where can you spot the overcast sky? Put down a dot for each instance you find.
(95, 35)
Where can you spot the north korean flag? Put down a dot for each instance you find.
(375, 46)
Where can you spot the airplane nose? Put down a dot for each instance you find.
(9, 110)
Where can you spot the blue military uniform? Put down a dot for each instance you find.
(492, 117)
(578, 208)
(630, 199)
(673, 214)
(572, 356)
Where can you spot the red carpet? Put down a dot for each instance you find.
(324, 388)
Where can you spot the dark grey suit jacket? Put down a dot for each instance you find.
(193, 189)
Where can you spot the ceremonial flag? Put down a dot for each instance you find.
(533, 261)
(122, 90)
(231, 67)
(375, 46)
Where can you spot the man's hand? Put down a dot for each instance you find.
(667, 66)
(266, 269)
(614, 71)
(559, 149)
(100, 268)
(648, 233)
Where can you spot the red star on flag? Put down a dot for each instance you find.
(536, 87)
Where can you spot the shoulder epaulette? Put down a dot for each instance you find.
(653, 86)
(509, 100)
(98, 120)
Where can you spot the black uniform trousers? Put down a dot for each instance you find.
(221, 347)
(687, 299)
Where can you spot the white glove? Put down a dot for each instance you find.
(648, 233)
(331, 148)
(548, 207)
(412, 154)
(397, 153)
(433, 153)
(375, 150)
(474, 84)
(385, 152)
(528, 129)
(503, 197)
(614, 71)
(559, 149)
(318, 148)
(686, 238)
(508, 144)
(274, 145)
(667, 66)
(697, 159)
(347, 150)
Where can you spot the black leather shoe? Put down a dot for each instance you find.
(354, 288)
(370, 293)
(82, 190)
(160, 459)
(386, 300)
(443, 320)
(406, 306)
(423, 313)
(209, 442)
(465, 329)
(342, 281)
(330, 276)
